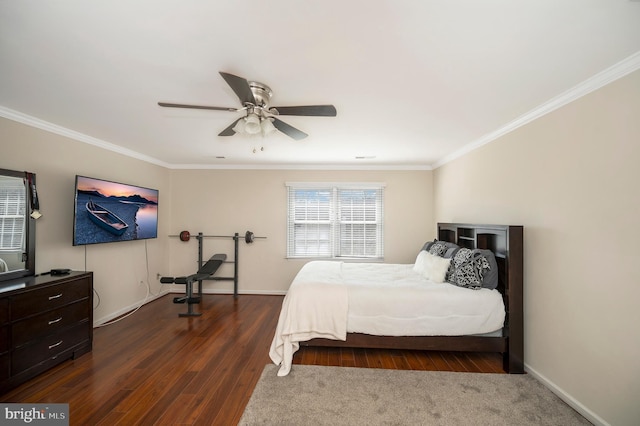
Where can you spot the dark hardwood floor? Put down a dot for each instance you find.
(156, 368)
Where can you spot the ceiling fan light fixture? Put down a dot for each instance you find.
(267, 127)
(252, 124)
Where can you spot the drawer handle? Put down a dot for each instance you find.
(55, 344)
(55, 320)
(55, 297)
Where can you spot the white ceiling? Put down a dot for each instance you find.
(414, 82)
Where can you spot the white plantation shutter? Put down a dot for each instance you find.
(335, 220)
(12, 214)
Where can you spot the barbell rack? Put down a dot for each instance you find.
(248, 238)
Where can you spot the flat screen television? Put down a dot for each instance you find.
(108, 211)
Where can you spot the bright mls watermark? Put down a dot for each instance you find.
(36, 414)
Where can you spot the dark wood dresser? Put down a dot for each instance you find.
(44, 320)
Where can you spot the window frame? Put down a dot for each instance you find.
(330, 238)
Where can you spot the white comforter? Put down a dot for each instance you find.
(328, 299)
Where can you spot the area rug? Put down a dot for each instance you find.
(315, 395)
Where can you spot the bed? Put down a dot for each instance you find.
(376, 305)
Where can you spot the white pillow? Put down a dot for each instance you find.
(435, 267)
(418, 267)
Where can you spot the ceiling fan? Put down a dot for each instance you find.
(260, 118)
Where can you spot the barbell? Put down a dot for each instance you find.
(186, 236)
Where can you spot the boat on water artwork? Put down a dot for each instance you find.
(105, 219)
(108, 211)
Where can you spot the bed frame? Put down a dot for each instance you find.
(506, 242)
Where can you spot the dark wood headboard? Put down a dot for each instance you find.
(506, 242)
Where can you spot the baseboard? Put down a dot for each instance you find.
(571, 401)
(151, 297)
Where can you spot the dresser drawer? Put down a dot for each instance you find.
(49, 347)
(36, 327)
(50, 297)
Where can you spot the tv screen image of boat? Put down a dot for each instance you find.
(108, 211)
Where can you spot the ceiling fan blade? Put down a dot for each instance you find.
(229, 130)
(240, 86)
(164, 104)
(288, 130)
(310, 110)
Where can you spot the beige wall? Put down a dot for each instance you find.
(222, 202)
(571, 178)
(118, 268)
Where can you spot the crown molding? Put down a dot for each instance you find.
(72, 134)
(298, 167)
(609, 75)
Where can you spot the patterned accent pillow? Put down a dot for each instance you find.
(437, 249)
(472, 268)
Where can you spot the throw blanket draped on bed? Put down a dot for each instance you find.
(309, 311)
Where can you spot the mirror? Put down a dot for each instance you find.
(17, 227)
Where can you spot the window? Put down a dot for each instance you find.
(335, 220)
(12, 214)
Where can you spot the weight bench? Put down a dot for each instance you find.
(208, 269)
